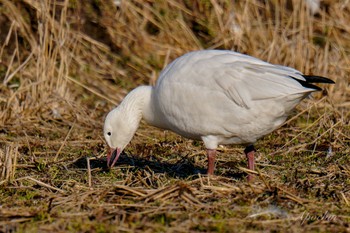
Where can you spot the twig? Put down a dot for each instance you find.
(89, 171)
(126, 188)
(91, 90)
(248, 170)
(10, 76)
(345, 199)
(41, 183)
(293, 197)
(190, 199)
(161, 193)
(64, 142)
(264, 180)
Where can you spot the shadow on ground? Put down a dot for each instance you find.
(183, 168)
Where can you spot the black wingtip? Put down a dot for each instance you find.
(309, 79)
(309, 85)
(317, 79)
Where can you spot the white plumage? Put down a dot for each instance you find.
(218, 96)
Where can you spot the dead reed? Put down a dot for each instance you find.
(64, 64)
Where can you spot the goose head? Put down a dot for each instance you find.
(119, 128)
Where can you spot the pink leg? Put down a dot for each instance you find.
(211, 161)
(249, 152)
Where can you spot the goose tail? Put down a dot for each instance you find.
(310, 79)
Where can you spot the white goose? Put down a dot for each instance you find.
(217, 96)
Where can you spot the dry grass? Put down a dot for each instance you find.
(65, 64)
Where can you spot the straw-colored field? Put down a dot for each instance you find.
(64, 64)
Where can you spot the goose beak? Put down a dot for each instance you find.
(112, 155)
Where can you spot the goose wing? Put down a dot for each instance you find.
(241, 78)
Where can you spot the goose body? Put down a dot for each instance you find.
(217, 96)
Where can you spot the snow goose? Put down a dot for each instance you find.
(217, 96)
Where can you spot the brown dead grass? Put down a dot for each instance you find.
(65, 64)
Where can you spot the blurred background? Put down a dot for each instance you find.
(68, 59)
(64, 64)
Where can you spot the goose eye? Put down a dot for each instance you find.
(109, 133)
